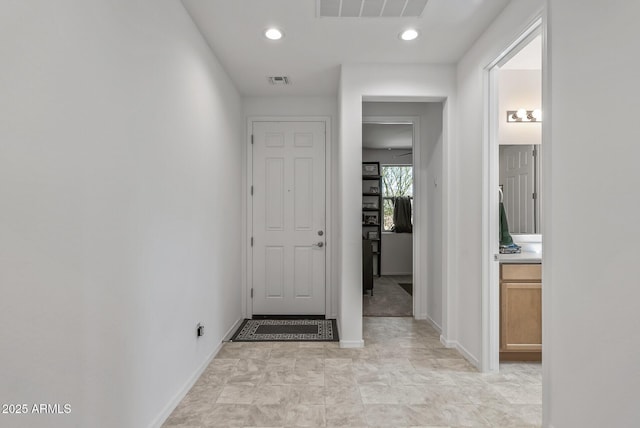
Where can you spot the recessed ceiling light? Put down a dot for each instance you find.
(409, 34)
(273, 34)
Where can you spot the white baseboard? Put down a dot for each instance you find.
(463, 351)
(352, 343)
(231, 331)
(182, 392)
(348, 343)
(447, 343)
(421, 317)
(434, 325)
(177, 398)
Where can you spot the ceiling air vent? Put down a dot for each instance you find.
(279, 80)
(371, 8)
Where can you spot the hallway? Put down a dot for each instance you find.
(389, 298)
(404, 377)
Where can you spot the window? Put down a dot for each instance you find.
(397, 180)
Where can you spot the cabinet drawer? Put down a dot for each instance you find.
(521, 272)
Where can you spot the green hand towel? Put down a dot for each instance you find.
(505, 236)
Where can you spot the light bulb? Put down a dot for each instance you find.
(408, 35)
(273, 34)
(521, 113)
(537, 114)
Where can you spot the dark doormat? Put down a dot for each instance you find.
(407, 286)
(287, 330)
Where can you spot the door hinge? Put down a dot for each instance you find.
(534, 196)
(252, 241)
(252, 293)
(251, 190)
(251, 138)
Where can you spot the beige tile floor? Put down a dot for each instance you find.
(403, 377)
(389, 299)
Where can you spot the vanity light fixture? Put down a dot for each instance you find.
(409, 34)
(273, 33)
(524, 116)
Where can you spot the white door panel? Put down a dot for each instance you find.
(288, 213)
(517, 177)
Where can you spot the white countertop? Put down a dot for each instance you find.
(531, 250)
(523, 257)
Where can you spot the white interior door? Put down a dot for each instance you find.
(288, 218)
(517, 177)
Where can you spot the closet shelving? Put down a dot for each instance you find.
(372, 214)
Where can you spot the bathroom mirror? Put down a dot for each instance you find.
(520, 184)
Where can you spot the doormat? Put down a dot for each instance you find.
(407, 286)
(287, 330)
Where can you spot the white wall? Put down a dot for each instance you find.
(432, 132)
(514, 19)
(119, 220)
(592, 336)
(397, 253)
(313, 107)
(519, 89)
(417, 83)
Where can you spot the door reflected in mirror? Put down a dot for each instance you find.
(520, 184)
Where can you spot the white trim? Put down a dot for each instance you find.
(352, 343)
(420, 285)
(545, 224)
(446, 342)
(454, 344)
(490, 355)
(330, 242)
(434, 324)
(229, 333)
(227, 337)
(467, 355)
(182, 392)
(449, 224)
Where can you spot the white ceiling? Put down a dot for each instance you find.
(313, 48)
(387, 136)
(529, 58)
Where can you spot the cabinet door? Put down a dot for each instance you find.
(521, 323)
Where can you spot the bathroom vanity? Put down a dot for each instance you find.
(521, 302)
(520, 312)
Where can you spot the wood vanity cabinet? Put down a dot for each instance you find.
(520, 312)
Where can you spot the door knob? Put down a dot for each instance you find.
(319, 245)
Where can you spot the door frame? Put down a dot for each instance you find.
(419, 304)
(247, 255)
(490, 213)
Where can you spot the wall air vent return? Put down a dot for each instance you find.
(279, 80)
(370, 8)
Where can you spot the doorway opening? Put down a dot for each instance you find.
(387, 217)
(420, 152)
(512, 232)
